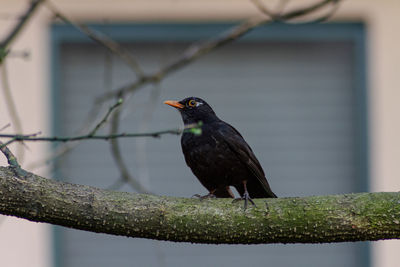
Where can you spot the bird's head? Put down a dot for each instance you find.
(193, 110)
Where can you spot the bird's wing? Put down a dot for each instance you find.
(238, 145)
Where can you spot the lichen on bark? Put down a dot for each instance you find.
(315, 219)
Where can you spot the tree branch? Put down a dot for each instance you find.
(11, 107)
(203, 48)
(189, 55)
(126, 177)
(285, 18)
(11, 159)
(18, 27)
(335, 218)
(32, 137)
(101, 39)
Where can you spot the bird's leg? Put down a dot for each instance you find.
(246, 196)
(209, 195)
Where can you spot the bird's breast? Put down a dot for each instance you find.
(206, 151)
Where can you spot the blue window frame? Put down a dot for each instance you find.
(189, 32)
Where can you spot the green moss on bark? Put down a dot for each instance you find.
(335, 218)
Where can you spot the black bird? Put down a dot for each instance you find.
(218, 155)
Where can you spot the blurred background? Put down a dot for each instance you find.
(317, 103)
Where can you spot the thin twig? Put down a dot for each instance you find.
(20, 25)
(30, 138)
(5, 127)
(188, 56)
(69, 146)
(22, 54)
(305, 10)
(105, 118)
(285, 17)
(11, 159)
(264, 9)
(126, 177)
(194, 127)
(100, 38)
(141, 157)
(328, 15)
(203, 48)
(65, 148)
(11, 107)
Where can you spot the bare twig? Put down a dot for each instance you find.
(141, 157)
(18, 27)
(264, 9)
(306, 10)
(5, 127)
(11, 107)
(126, 177)
(11, 159)
(65, 148)
(100, 38)
(30, 138)
(188, 56)
(328, 15)
(105, 118)
(22, 54)
(286, 17)
(201, 49)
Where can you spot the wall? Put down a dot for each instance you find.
(30, 87)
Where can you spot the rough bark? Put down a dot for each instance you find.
(334, 218)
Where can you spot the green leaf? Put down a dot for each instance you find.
(195, 130)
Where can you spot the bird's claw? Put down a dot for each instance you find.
(246, 198)
(210, 195)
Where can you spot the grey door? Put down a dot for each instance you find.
(296, 103)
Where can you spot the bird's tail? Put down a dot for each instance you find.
(256, 190)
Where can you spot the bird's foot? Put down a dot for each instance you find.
(246, 198)
(210, 195)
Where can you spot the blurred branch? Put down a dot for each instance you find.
(263, 8)
(188, 56)
(65, 148)
(126, 177)
(11, 107)
(18, 28)
(105, 118)
(306, 10)
(101, 39)
(23, 54)
(5, 127)
(141, 155)
(328, 15)
(280, 16)
(198, 50)
(91, 135)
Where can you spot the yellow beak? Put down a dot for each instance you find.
(174, 104)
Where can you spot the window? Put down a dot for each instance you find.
(297, 94)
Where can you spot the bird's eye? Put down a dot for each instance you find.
(192, 103)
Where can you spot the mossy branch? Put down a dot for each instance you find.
(335, 218)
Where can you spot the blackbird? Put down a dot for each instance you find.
(218, 155)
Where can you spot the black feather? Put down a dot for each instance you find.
(218, 155)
